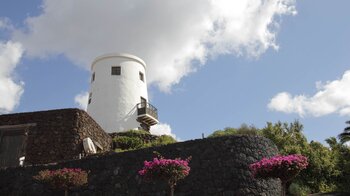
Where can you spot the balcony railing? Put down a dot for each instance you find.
(147, 108)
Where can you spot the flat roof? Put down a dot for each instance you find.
(122, 55)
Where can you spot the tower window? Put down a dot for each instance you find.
(90, 95)
(93, 77)
(116, 70)
(141, 76)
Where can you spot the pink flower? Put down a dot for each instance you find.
(170, 170)
(63, 178)
(283, 167)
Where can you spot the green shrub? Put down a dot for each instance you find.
(226, 131)
(126, 142)
(136, 139)
(247, 130)
(242, 130)
(134, 133)
(298, 190)
(162, 140)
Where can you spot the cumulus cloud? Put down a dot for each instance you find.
(82, 100)
(173, 37)
(331, 97)
(10, 89)
(162, 129)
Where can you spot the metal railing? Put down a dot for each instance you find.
(147, 108)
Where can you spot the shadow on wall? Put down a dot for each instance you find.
(129, 119)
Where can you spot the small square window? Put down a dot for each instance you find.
(141, 76)
(116, 70)
(93, 77)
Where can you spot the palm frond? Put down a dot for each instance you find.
(345, 136)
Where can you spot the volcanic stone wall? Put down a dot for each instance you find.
(57, 134)
(219, 166)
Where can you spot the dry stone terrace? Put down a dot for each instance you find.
(48, 136)
(219, 166)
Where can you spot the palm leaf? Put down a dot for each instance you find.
(345, 136)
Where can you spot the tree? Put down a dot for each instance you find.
(329, 167)
(341, 154)
(289, 138)
(64, 179)
(168, 170)
(283, 167)
(322, 170)
(345, 136)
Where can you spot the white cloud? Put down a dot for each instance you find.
(162, 129)
(171, 36)
(332, 97)
(82, 100)
(10, 89)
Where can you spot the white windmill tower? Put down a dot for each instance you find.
(118, 99)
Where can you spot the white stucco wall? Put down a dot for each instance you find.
(114, 97)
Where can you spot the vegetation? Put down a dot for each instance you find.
(161, 140)
(128, 143)
(136, 133)
(345, 136)
(64, 179)
(168, 170)
(137, 139)
(242, 130)
(321, 172)
(329, 167)
(283, 167)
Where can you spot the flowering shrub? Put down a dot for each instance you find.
(169, 170)
(63, 178)
(283, 167)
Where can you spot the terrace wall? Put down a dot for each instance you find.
(219, 166)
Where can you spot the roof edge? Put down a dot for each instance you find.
(122, 55)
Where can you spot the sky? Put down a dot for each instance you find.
(211, 64)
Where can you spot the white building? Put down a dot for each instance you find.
(118, 98)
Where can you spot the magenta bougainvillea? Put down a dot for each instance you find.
(63, 178)
(283, 167)
(169, 170)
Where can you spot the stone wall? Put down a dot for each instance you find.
(219, 166)
(57, 134)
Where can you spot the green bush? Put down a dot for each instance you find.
(136, 139)
(298, 190)
(162, 140)
(226, 131)
(128, 143)
(134, 133)
(242, 130)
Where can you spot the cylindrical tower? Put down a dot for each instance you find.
(118, 99)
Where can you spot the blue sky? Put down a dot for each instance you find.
(210, 65)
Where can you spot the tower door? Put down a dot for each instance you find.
(143, 102)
